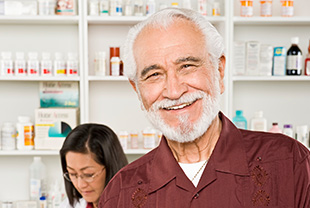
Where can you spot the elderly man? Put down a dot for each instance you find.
(175, 62)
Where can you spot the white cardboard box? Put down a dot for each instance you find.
(52, 125)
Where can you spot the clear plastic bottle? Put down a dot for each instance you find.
(59, 65)
(138, 8)
(20, 64)
(46, 64)
(7, 64)
(294, 58)
(25, 133)
(275, 128)
(8, 136)
(104, 7)
(150, 7)
(288, 130)
(239, 120)
(258, 122)
(72, 64)
(33, 65)
(37, 173)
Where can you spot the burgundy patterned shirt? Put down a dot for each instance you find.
(246, 169)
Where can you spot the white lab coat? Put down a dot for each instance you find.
(81, 204)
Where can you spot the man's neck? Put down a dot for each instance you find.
(200, 149)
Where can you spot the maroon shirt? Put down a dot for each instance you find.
(246, 169)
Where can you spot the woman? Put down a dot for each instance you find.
(90, 156)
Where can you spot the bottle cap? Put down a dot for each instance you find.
(288, 126)
(295, 40)
(20, 55)
(258, 114)
(23, 119)
(239, 112)
(275, 123)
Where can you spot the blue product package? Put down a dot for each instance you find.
(279, 61)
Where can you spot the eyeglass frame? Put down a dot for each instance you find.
(82, 176)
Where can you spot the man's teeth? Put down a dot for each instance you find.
(178, 106)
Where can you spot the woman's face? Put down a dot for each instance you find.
(87, 176)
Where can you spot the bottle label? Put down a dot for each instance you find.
(28, 136)
(240, 124)
(115, 68)
(307, 69)
(294, 62)
(35, 188)
(149, 141)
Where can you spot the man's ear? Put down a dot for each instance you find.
(222, 64)
(133, 84)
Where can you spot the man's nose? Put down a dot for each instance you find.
(174, 87)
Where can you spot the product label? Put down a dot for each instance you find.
(8, 140)
(266, 9)
(115, 68)
(134, 141)
(149, 141)
(246, 11)
(287, 11)
(35, 188)
(33, 68)
(28, 136)
(294, 62)
(240, 125)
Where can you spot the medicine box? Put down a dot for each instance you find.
(279, 61)
(59, 94)
(52, 125)
(252, 58)
(239, 58)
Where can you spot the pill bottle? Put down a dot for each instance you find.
(101, 63)
(258, 122)
(216, 10)
(138, 8)
(72, 64)
(202, 7)
(123, 139)
(266, 8)
(134, 140)
(115, 66)
(59, 65)
(46, 66)
(8, 136)
(288, 130)
(25, 133)
(46, 7)
(104, 7)
(128, 8)
(93, 7)
(114, 52)
(150, 7)
(275, 128)
(287, 8)
(175, 4)
(6, 64)
(33, 65)
(246, 9)
(149, 138)
(20, 64)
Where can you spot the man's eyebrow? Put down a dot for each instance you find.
(149, 68)
(189, 58)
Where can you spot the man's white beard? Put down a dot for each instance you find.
(187, 131)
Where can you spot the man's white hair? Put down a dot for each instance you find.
(164, 18)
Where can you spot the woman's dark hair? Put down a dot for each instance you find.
(102, 143)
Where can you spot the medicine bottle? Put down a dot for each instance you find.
(7, 64)
(294, 58)
(187, 4)
(134, 140)
(246, 9)
(116, 8)
(258, 122)
(72, 65)
(20, 64)
(114, 52)
(25, 133)
(46, 64)
(288, 130)
(216, 10)
(59, 65)
(8, 136)
(266, 8)
(150, 7)
(287, 8)
(202, 7)
(33, 65)
(239, 120)
(275, 128)
(115, 66)
(128, 10)
(138, 8)
(37, 179)
(123, 139)
(104, 7)
(149, 138)
(101, 63)
(93, 6)
(46, 7)
(175, 4)
(307, 62)
(302, 135)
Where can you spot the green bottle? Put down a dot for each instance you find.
(239, 120)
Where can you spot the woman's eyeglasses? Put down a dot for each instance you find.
(73, 177)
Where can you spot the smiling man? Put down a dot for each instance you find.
(175, 62)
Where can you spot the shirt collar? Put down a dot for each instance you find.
(228, 156)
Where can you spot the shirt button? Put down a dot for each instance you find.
(196, 196)
(140, 182)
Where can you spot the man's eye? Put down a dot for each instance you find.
(152, 75)
(187, 65)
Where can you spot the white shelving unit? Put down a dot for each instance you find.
(112, 101)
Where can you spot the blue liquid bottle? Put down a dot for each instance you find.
(239, 120)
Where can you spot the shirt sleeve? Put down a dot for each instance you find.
(302, 177)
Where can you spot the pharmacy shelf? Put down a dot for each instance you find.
(56, 152)
(53, 78)
(107, 78)
(288, 21)
(55, 19)
(271, 78)
(131, 20)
